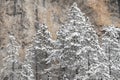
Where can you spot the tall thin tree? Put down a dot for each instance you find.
(11, 61)
(42, 45)
(111, 46)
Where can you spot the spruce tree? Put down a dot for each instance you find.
(41, 49)
(27, 72)
(111, 46)
(79, 48)
(68, 39)
(11, 62)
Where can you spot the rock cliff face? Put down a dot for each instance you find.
(21, 16)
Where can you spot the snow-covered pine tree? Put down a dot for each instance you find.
(68, 38)
(42, 46)
(11, 63)
(54, 59)
(92, 57)
(68, 41)
(78, 48)
(27, 72)
(89, 54)
(111, 46)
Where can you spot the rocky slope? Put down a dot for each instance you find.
(21, 16)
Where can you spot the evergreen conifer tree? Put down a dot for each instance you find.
(27, 72)
(111, 46)
(11, 62)
(41, 49)
(79, 48)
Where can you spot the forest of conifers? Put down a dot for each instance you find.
(76, 54)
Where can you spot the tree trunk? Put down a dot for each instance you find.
(12, 75)
(36, 69)
(109, 58)
(88, 56)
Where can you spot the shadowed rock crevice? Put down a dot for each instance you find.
(119, 6)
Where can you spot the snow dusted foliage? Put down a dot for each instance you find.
(11, 63)
(41, 48)
(54, 59)
(78, 49)
(27, 72)
(111, 46)
(75, 55)
(86, 49)
(91, 57)
(68, 39)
